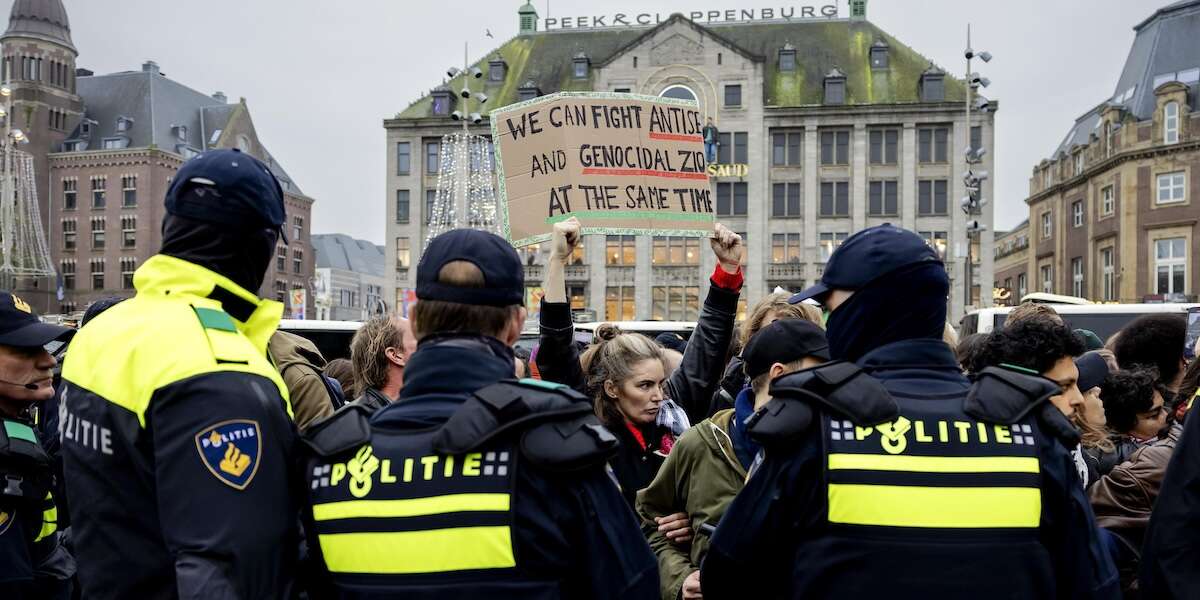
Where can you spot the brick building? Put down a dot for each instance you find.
(1111, 212)
(105, 149)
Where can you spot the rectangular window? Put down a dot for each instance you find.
(128, 267)
(432, 149)
(1047, 279)
(297, 228)
(674, 303)
(938, 240)
(884, 199)
(1171, 187)
(1022, 286)
(787, 61)
(724, 148)
(733, 95)
(976, 137)
(835, 147)
(70, 192)
(403, 158)
(785, 200)
(98, 188)
(97, 273)
(1077, 213)
(402, 206)
(932, 198)
(732, 199)
(1047, 225)
(835, 199)
(298, 262)
(619, 304)
(785, 149)
(932, 144)
(1079, 163)
(1171, 123)
(785, 248)
(403, 253)
(281, 291)
(1107, 203)
(1077, 277)
(883, 144)
(1108, 274)
(281, 258)
(1170, 263)
(98, 233)
(830, 242)
(69, 233)
(129, 231)
(67, 268)
(128, 191)
(581, 69)
(620, 250)
(741, 147)
(675, 251)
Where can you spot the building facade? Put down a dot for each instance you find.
(350, 278)
(105, 150)
(829, 125)
(1012, 271)
(1111, 214)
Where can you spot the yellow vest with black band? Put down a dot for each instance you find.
(191, 334)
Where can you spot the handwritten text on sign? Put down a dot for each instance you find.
(620, 163)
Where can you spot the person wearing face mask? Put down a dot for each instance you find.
(178, 441)
(887, 473)
(33, 562)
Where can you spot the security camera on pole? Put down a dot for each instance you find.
(466, 165)
(974, 177)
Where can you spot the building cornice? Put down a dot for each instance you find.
(115, 158)
(1110, 163)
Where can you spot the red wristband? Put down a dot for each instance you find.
(729, 281)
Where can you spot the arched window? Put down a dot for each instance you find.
(681, 92)
(243, 143)
(1171, 123)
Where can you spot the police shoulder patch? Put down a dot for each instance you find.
(230, 450)
(6, 520)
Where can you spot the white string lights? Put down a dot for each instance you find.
(23, 248)
(466, 191)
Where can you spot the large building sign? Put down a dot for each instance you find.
(731, 15)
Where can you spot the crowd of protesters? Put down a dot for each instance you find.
(839, 442)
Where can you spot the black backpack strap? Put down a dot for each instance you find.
(345, 429)
(558, 428)
(1007, 395)
(26, 474)
(840, 387)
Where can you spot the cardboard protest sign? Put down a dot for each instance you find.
(623, 164)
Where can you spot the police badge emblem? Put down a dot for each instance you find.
(230, 450)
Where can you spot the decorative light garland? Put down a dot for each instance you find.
(465, 184)
(23, 248)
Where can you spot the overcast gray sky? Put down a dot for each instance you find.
(320, 76)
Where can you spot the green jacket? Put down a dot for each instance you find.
(700, 477)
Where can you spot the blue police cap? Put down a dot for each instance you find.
(867, 256)
(503, 274)
(228, 187)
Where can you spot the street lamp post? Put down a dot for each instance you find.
(973, 179)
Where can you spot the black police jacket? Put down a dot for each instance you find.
(473, 489)
(909, 484)
(1171, 551)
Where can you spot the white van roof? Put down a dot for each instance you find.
(313, 325)
(658, 326)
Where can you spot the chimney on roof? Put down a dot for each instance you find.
(82, 72)
(858, 10)
(150, 67)
(220, 97)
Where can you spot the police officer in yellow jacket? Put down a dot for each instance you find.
(33, 562)
(888, 474)
(176, 433)
(473, 484)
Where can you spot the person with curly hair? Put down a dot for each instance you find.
(1041, 345)
(1155, 340)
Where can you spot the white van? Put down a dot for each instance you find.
(586, 332)
(1102, 319)
(332, 338)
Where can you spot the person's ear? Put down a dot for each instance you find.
(394, 355)
(610, 388)
(776, 370)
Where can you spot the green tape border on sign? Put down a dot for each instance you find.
(502, 188)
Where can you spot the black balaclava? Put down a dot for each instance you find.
(907, 304)
(242, 255)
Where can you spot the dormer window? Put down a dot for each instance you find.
(180, 132)
(85, 128)
(581, 65)
(528, 91)
(497, 69)
(879, 55)
(835, 87)
(933, 85)
(787, 58)
(124, 123)
(443, 100)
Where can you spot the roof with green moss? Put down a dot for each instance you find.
(545, 59)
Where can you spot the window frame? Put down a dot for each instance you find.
(934, 197)
(736, 89)
(884, 187)
(786, 200)
(1171, 122)
(1077, 281)
(403, 199)
(403, 158)
(1171, 187)
(1172, 263)
(838, 198)
(1077, 213)
(1108, 273)
(1108, 201)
